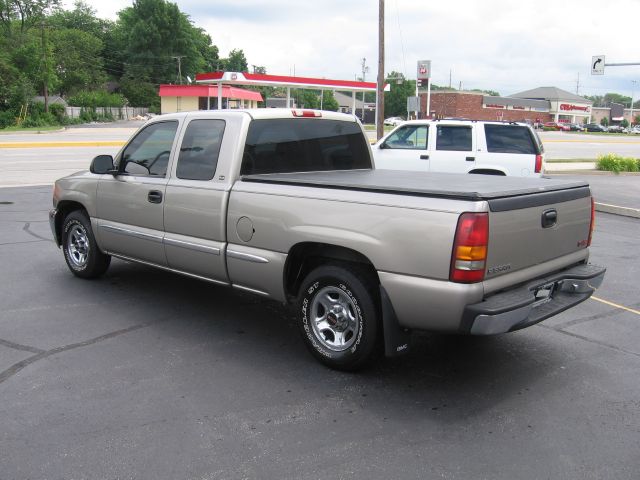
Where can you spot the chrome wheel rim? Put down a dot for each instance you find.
(78, 246)
(334, 319)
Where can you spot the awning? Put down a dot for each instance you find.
(232, 93)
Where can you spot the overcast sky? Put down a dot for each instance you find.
(503, 45)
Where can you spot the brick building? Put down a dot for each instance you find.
(477, 106)
(543, 104)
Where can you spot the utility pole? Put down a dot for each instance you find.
(380, 87)
(449, 79)
(633, 84)
(365, 69)
(45, 77)
(578, 85)
(179, 59)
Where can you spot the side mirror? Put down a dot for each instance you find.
(383, 145)
(102, 164)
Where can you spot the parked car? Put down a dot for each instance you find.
(575, 127)
(287, 205)
(615, 129)
(462, 146)
(556, 126)
(393, 121)
(635, 129)
(594, 127)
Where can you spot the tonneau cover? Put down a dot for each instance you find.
(450, 185)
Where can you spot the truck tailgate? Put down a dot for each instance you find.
(527, 230)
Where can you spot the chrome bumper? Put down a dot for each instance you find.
(537, 301)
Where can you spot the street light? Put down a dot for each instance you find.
(633, 84)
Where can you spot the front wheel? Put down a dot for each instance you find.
(338, 316)
(81, 251)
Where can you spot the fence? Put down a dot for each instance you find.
(124, 113)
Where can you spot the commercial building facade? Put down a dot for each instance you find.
(544, 104)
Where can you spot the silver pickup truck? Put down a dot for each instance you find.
(286, 204)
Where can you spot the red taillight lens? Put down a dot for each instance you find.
(468, 259)
(538, 163)
(593, 221)
(306, 113)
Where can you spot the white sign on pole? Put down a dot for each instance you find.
(597, 65)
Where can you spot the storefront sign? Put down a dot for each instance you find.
(571, 107)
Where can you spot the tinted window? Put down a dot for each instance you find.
(509, 139)
(148, 153)
(411, 137)
(304, 145)
(200, 149)
(453, 138)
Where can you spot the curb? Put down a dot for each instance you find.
(106, 143)
(616, 210)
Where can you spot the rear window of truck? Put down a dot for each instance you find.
(510, 139)
(304, 145)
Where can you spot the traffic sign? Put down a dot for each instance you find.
(597, 65)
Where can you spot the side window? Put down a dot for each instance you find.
(453, 137)
(148, 153)
(200, 149)
(509, 139)
(411, 137)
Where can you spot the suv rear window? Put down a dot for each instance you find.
(510, 139)
(304, 145)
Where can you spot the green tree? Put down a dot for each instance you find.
(636, 120)
(395, 100)
(78, 60)
(604, 122)
(155, 38)
(236, 62)
(139, 93)
(329, 102)
(17, 17)
(82, 17)
(624, 123)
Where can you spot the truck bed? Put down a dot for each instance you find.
(445, 185)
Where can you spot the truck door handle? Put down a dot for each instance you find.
(470, 159)
(424, 157)
(154, 196)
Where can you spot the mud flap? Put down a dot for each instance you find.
(396, 338)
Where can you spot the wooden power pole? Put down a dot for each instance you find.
(380, 93)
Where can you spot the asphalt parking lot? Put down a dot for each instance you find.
(145, 374)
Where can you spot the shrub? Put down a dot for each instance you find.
(58, 111)
(616, 163)
(7, 118)
(87, 99)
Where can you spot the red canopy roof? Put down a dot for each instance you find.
(208, 91)
(245, 78)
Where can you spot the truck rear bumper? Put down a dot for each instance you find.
(532, 303)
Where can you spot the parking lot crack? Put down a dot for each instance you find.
(591, 340)
(17, 346)
(17, 367)
(27, 228)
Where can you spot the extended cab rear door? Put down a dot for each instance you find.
(196, 197)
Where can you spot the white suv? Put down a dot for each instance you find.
(462, 146)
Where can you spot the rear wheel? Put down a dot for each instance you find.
(81, 251)
(338, 316)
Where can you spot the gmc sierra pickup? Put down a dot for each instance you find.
(287, 204)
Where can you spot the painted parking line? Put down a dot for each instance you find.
(611, 304)
(105, 143)
(592, 141)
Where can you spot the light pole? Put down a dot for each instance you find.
(633, 84)
(365, 69)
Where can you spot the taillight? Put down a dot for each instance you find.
(468, 260)
(306, 113)
(593, 221)
(538, 163)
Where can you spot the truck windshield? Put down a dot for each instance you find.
(304, 145)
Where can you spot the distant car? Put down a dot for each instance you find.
(393, 121)
(594, 127)
(635, 129)
(556, 126)
(575, 127)
(615, 129)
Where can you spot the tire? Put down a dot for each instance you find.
(81, 251)
(337, 312)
